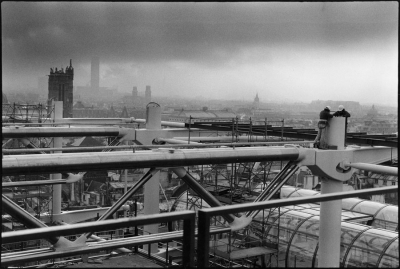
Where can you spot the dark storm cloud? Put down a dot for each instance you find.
(207, 33)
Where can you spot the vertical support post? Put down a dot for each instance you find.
(136, 228)
(236, 133)
(336, 132)
(283, 123)
(233, 128)
(203, 239)
(330, 226)
(126, 182)
(72, 192)
(57, 143)
(251, 130)
(151, 188)
(266, 129)
(190, 123)
(188, 241)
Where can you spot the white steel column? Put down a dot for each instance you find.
(126, 183)
(151, 188)
(330, 226)
(336, 132)
(330, 216)
(57, 143)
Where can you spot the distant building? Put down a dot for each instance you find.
(372, 113)
(204, 115)
(61, 88)
(4, 99)
(95, 74)
(134, 92)
(256, 103)
(148, 94)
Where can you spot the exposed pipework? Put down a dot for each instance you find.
(22, 132)
(134, 147)
(374, 168)
(51, 163)
(173, 141)
(70, 179)
(114, 208)
(27, 219)
(202, 192)
(275, 185)
(234, 222)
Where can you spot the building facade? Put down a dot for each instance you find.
(148, 94)
(61, 88)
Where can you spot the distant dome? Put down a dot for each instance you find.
(372, 111)
(79, 104)
(4, 99)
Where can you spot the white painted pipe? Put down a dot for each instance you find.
(374, 168)
(50, 163)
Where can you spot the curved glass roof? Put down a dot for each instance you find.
(385, 216)
(349, 203)
(368, 207)
(389, 213)
(296, 230)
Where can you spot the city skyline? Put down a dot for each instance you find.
(282, 51)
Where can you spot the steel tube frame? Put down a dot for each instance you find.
(80, 149)
(187, 216)
(375, 168)
(275, 185)
(51, 163)
(61, 131)
(205, 214)
(33, 183)
(27, 219)
(200, 190)
(175, 141)
(124, 198)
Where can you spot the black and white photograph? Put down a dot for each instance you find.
(199, 134)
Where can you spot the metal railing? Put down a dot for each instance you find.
(204, 215)
(187, 237)
(203, 232)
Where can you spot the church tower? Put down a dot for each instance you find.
(61, 88)
(256, 103)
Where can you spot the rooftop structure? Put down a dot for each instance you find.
(257, 225)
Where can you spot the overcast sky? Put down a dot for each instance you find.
(282, 51)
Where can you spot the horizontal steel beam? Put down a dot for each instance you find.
(372, 142)
(237, 208)
(134, 147)
(39, 233)
(49, 253)
(60, 132)
(58, 163)
(33, 183)
(374, 168)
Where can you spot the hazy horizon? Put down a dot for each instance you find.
(291, 51)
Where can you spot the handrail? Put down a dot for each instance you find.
(187, 216)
